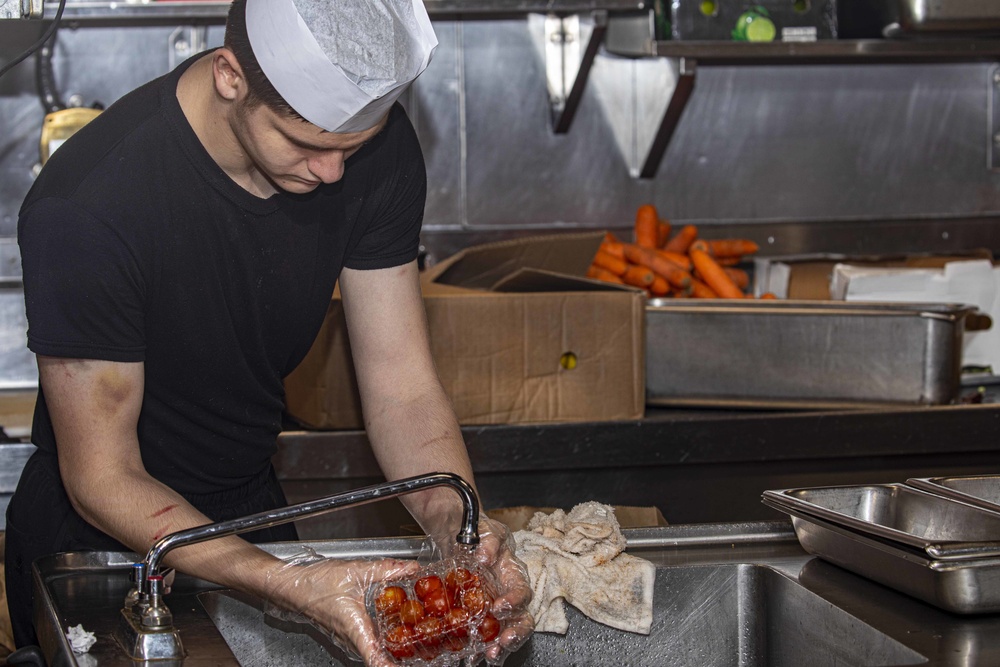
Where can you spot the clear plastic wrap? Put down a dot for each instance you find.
(339, 597)
(438, 616)
(495, 552)
(329, 593)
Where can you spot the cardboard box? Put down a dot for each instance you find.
(808, 277)
(517, 334)
(967, 278)
(517, 518)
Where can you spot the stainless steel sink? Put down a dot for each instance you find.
(744, 595)
(739, 614)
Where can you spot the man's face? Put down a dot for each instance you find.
(295, 155)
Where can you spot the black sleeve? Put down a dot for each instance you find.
(395, 202)
(83, 288)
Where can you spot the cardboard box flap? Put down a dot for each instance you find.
(482, 267)
(537, 280)
(517, 518)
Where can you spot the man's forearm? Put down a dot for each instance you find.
(138, 511)
(417, 434)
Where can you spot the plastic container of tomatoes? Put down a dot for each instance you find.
(437, 617)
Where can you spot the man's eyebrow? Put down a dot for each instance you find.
(304, 144)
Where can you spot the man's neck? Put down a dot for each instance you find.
(209, 118)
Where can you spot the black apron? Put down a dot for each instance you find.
(41, 521)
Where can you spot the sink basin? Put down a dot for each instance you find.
(743, 615)
(744, 595)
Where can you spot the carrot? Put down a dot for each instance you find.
(682, 261)
(682, 240)
(683, 292)
(640, 276)
(613, 248)
(662, 233)
(739, 276)
(768, 295)
(659, 286)
(611, 238)
(728, 261)
(610, 262)
(732, 247)
(646, 226)
(599, 273)
(674, 274)
(700, 290)
(713, 275)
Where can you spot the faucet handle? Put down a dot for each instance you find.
(156, 614)
(138, 578)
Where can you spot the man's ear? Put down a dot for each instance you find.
(228, 75)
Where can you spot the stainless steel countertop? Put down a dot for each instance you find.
(666, 437)
(88, 589)
(662, 459)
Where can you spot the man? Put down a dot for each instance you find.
(178, 256)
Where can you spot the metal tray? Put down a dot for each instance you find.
(802, 354)
(942, 528)
(979, 490)
(961, 587)
(951, 16)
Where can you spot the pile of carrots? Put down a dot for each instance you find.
(681, 265)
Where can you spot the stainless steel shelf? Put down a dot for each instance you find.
(160, 13)
(831, 51)
(691, 55)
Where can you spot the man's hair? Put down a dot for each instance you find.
(259, 89)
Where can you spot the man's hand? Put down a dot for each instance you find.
(331, 594)
(496, 552)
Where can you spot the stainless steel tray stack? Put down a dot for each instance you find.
(937, 539)
(804, 354)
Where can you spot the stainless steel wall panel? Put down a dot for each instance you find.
(756, 144)
(795, 143)
(518, 171)
(436, 107)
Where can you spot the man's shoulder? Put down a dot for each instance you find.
(103, 156)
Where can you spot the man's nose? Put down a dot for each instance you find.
(328, 167)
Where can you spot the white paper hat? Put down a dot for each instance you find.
(340, 63)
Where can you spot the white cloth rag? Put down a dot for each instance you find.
(79, 639)
(577, 557)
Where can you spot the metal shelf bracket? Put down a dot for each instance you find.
(566, 68)
(687, 68)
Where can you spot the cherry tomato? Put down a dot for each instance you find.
(475, 600)
(429, 633)
(460, 579)
(457, 623)
(411, 612)
(436, 603)
(399, 642)
(489, 628)
(453, 644)
(390, 599)
(427, 585)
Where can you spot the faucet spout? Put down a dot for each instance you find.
(145, 630)
(468, 534)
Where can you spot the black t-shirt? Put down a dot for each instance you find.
(137, 247)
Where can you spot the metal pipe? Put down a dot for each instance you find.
(469, 533)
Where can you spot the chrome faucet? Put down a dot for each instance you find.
(146, 629)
